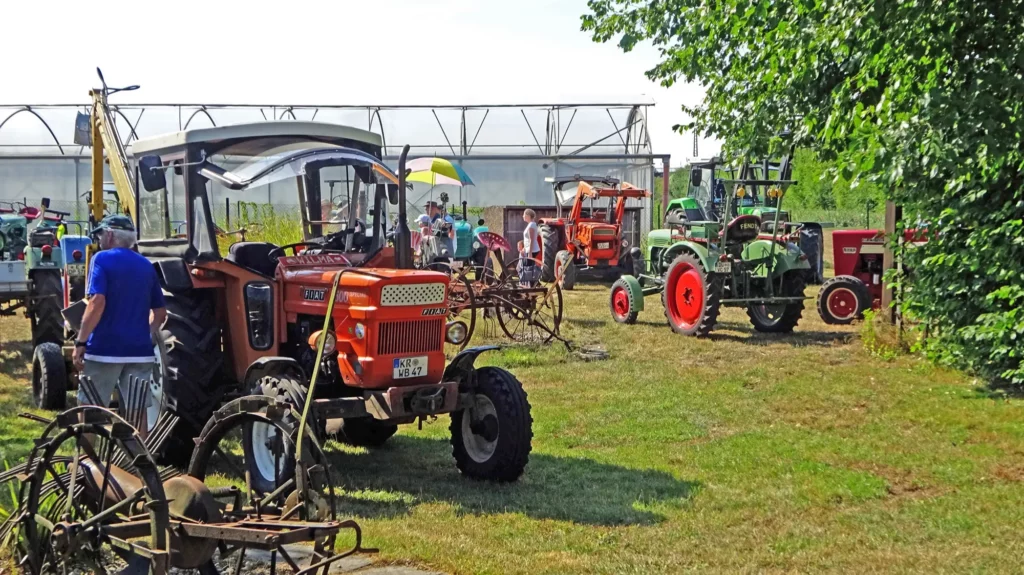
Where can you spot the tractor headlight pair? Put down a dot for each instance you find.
(455, 332)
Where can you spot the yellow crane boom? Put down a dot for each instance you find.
(104, 138)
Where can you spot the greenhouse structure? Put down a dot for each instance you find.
(508, 150)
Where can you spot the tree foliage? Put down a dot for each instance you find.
(920, 97)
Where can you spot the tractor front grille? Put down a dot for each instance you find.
(604, 232)
(407, 337)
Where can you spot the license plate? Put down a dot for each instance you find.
(406, 367)
(604, 245)
(723, 267)
(76, 269)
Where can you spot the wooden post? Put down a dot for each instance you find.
(893, 214)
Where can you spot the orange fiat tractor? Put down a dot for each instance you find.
(589, 238)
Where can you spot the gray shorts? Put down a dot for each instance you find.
(105, 377)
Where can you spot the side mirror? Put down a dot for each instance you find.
(393, 194)
(151, 171)
(695, 178)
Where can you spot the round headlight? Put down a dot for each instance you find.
(625, 243)
(360, 330)
(329, 345)
(456, 332)
(476, 245)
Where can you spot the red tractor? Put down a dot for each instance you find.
(589, 237)
(857, 285)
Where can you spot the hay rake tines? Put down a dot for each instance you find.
(73, 506)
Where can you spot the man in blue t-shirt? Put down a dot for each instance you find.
(125, 305)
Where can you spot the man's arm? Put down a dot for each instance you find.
(156, 319)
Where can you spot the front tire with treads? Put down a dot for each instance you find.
(192, 342)
(260, 443)
(491, 439)
(47, 299)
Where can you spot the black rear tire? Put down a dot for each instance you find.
(832, 288)
(192, 345)
(47, 299)
(288, 389)
(49, 377)
(781, 318)
(551, 239)
(496, 446)
(366, 432)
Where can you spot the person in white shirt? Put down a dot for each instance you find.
(531, 238)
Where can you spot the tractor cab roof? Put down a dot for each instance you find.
(220, 137)
(560, 181)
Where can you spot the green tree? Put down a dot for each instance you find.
(920, 97)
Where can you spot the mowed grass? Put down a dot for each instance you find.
(741, 452)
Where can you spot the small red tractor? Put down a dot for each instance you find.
(588, 238)
(857, 285)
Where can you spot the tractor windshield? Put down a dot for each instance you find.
(288, 159)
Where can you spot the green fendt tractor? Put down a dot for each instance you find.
(721, 252)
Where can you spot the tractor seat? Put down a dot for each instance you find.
(253, 256)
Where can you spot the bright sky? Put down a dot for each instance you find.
(331, 52)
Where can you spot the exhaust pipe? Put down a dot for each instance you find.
(403, 242)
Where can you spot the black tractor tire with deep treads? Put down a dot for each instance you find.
(49, 377)
(192, 345)
(851, 284)
(551, 242)
(514, 428)
(47, 299)
(366, 432)
(285, 388)
(793, 285)
(712, 285)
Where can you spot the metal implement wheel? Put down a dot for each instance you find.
(624, 308)
(691, 298)
(491, 438)
(528, 314)
(90, 482)
(782, 317)
(304, 493)
(843, 299)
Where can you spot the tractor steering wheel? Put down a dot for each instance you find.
(279, 252)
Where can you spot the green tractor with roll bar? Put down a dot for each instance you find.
(700, 263)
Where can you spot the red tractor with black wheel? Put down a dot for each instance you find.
(590, 237)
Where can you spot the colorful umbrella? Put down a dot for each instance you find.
(437, 172)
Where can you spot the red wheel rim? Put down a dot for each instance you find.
(686, 295)
(620, 302)
(842, 303)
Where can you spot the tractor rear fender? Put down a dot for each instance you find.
(173, 274)
(679, 248)
(636, 293)
(272, 365)
(787, 258)
(461, 367)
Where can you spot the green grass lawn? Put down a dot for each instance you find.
(741, 452)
